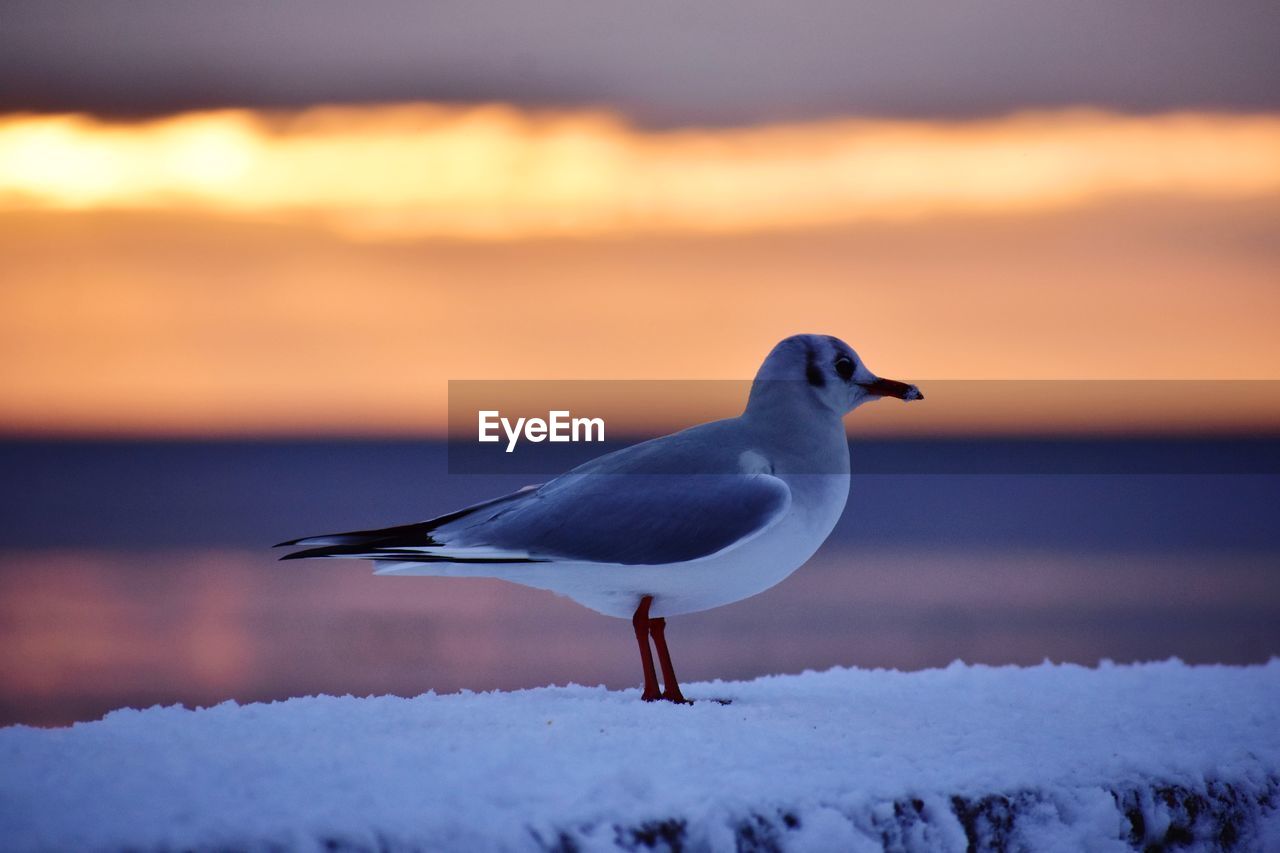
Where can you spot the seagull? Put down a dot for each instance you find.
(697, 519)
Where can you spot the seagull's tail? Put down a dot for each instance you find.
(416, 542)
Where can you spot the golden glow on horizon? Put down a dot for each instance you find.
(150, 324)
(495, 172)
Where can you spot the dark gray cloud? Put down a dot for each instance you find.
(661, 61)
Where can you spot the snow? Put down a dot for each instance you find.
(1051, 756)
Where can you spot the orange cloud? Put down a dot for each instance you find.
(495, 172)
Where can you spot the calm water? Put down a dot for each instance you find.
(136, 573)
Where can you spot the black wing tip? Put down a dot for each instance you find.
(326, 551)
(303, 555)
(392, 556)
(417, 533)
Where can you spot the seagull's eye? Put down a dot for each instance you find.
(844, 366)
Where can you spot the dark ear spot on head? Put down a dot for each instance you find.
(811, 370)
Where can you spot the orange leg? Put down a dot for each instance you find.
(641, 622)
(670, 687)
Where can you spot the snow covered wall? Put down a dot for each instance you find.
(967, 757)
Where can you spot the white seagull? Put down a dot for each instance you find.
(703, 517)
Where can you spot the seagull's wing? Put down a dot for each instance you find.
(632, 519)
(642, 505)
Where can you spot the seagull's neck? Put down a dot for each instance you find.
(787, 401)
(790, 419)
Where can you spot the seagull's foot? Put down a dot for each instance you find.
(673, 696)
(680, 700)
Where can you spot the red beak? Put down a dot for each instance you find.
(890, 388)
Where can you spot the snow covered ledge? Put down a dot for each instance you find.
(1051, 757)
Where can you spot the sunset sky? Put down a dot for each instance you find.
(204, 231)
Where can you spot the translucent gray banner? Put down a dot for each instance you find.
(1096, 427)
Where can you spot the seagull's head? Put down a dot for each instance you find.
(826, 371)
